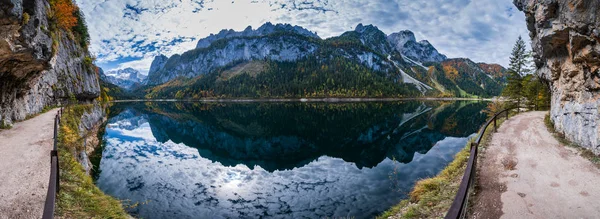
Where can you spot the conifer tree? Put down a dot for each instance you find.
(519, 67)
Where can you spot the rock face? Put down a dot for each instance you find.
(158, 63)
(203, 60)
(373, 38)
(422, 51)
(34, 71)
(566, 41)
(264, 30)
(89, 125)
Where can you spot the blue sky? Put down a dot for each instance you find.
(129, 33)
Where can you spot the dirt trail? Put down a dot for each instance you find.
(25, 166)
(526, 173)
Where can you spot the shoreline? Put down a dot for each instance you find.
(304, 100)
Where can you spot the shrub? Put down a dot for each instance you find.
(26, 18)
(89, 61)
(5, 125)
(494, 107)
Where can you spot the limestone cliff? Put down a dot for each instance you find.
(566, 42)
(90, 122)
(40, 65)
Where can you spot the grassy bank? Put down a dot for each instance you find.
(432, 197)
(584, 152)
(79, 197)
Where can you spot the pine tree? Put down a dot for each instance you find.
(520, 60)
(519, 66)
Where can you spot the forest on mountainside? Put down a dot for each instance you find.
(304, 78)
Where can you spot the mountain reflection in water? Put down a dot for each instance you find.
(278, 160)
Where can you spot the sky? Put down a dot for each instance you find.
(130, 33)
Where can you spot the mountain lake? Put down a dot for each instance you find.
(276, 160)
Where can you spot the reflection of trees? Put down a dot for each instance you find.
(287, 135)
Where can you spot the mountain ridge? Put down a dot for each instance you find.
(397, 58)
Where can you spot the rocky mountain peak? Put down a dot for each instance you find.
(269, 28)
(158, 63)
(360, 28)
(372, 37)
(422, 51)
(400, 38)
(425, 42)
(265, 29)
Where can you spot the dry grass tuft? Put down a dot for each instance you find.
(432, 197)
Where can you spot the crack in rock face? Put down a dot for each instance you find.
(566, 42)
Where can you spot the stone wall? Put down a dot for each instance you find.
(566, 43)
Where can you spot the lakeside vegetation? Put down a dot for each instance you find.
(79, 197)
(432, 197)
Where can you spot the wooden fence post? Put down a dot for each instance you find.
(495, 127)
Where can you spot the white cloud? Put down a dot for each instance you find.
(129, 33)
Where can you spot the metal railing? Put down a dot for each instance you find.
(54, 183)
(459, 205)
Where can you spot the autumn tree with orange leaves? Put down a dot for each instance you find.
(64, 13)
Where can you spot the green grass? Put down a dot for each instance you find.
(79, 197)
(5, 125)
(560, 137)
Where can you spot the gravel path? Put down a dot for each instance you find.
(526, 173)
(25, 166)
